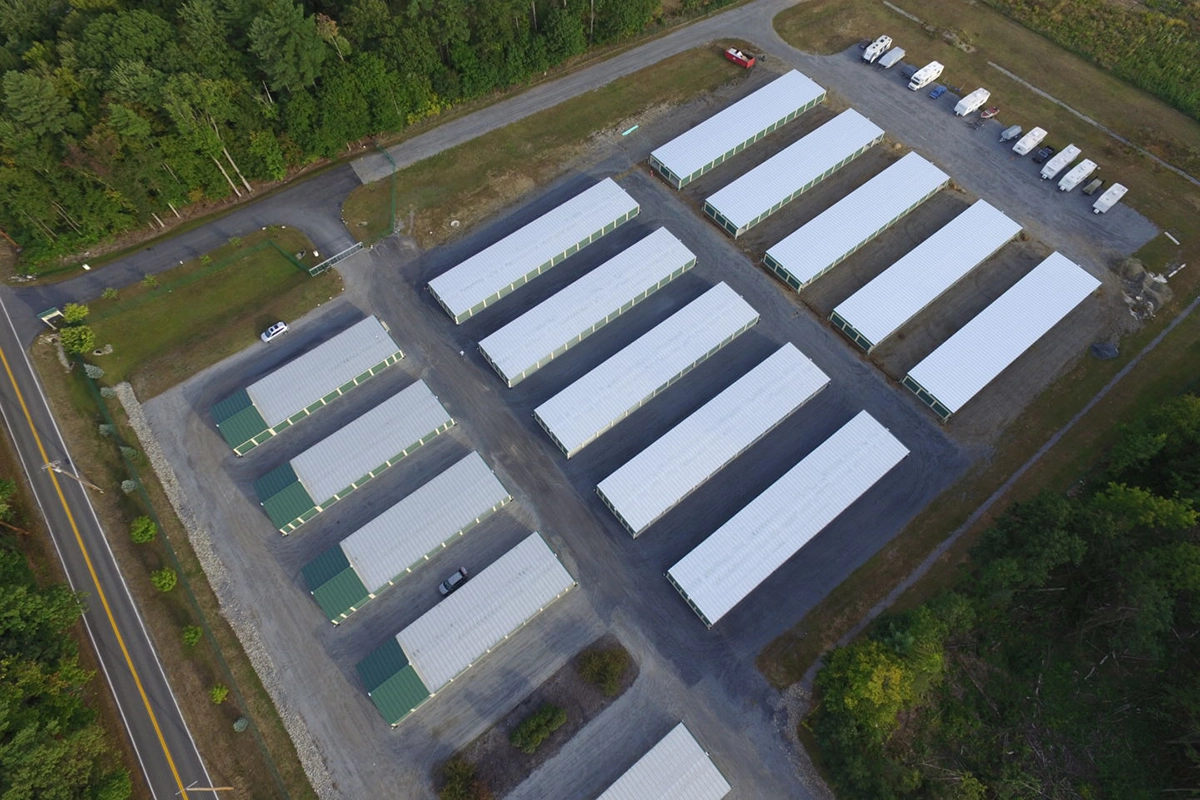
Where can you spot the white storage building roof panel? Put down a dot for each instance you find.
(742, 553)
(857, 217)
(339, 459)
(604, 396)
(561, 318)
(303, 381)
(670, 469)
(677, 768)
(982, 349)
(780, 176)
(899, 293)
(399, 537)
(464, 627)
(728, 128)
(508, 260)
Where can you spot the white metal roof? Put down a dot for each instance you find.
(464, 627)
(857, 217)
(544, 331)
(973, 357)
(508, 260)
(670, 469)
(784, 173)
(401, 536)
(677, 768)
(611, 391)
(742, 553)
(738, 123)
(348, 454)
(303, 381)
(897, 294)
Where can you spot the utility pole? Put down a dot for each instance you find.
(56, 466)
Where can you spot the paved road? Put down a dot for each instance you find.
(164, 746)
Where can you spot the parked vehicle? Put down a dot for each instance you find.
(907, 71)
(988, 113)
(452, 584)
(1109, 198)
(891, 58)
(971, 103)
(274, 332)
(1093, 187)
(1062, 159)
(937, 92)
(1078, 174)
(739, 58)
(1043, 155)
(1029, 141)
(876, 48)
(1010, 133)
(925, 75)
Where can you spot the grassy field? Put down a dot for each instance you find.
(825, 26)
(474, 180)
(201, 313)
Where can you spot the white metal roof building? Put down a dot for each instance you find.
(332, 468)
(677, 768)
(518, 258)
(727, 566)
(661, 476)
(401, 539)
(838, 232)
(300, 387)
(983, 348)
(791, 172)
(582, 412)
(922, 275)
(730, 131)
(549, 329)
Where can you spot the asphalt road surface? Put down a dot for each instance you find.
(164, 746)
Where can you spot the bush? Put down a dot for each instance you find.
(192, 634)
(529, 735)
(604, 668)
(143, 530)
(218, 693)
(164, 579)
(109, 294)
(459, 782)
(78, 339)
(74, 313)
(150, 282)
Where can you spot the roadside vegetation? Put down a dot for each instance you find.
(471, 182)
(1064, 662)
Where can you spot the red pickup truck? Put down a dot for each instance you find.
(739, 58)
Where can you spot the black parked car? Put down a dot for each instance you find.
(1043, 155)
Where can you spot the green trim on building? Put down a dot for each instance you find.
(335, 585)
(688, 600)
(927, 398)
(852, 332)
(292, 503)
(245, 426)
(392, 683)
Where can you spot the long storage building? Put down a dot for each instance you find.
(730, 131)
(924, 274)
(661, 476)
(791, 172)
(448, 639)
(275, 402)
(727, 566)
(298, 490)
(518, 258)
(583, 411)
(401, 539)
(549, 329)
(838, 232)
(983, 348)
(677, 768)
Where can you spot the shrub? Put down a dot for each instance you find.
(77, 339)
(459, 782)
(192, 634)
(109, 294)
(74, 313)
(218, 693)
(604, 668)
(143, 530)
(128, 486)
(150, 282)
(529, 735)
(164, 579)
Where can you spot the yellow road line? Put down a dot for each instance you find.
(95, 579)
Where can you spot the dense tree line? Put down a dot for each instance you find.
(112, 111)
(51, 747)
(1065, 663)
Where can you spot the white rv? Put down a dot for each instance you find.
(875, 49)
(1078, 174)
(971, 103)
(1029, 141)
(1109, 199)
(891, 58)
(926, 75)
(1060, 161)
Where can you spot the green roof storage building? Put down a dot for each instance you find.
(250, 416)
(298, 490)
(401, 539)
(448, 639)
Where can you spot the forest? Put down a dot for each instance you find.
(116, 115)
(51, 747)
(1065, 662)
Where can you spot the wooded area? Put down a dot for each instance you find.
(1064, 664)
(116, 112)
(51, 747)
